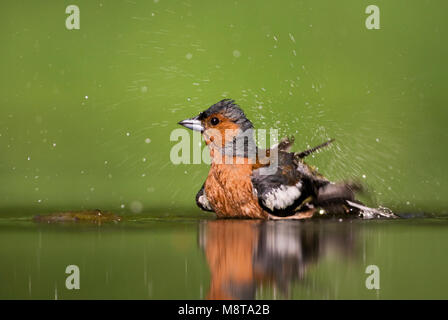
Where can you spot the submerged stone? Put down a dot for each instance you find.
(89, 216)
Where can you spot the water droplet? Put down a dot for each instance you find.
(292, 38)
(136, 206)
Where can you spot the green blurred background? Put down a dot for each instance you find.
(86, 117)
(77, 106)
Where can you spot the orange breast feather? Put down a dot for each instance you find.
(230, 192)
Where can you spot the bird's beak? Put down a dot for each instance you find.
(193, 124)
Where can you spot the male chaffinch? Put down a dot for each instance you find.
(246, 182)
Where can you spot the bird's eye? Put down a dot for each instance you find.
(214, 121)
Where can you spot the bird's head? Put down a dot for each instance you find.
(220, 124)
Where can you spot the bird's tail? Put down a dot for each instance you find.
(372, 213)
(339, 198)
(338, 192)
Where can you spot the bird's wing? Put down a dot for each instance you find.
(303, 154)
(285, 190)
(285, 144)
(296, 186)
(202, 201)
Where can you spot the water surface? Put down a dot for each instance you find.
(189, 258)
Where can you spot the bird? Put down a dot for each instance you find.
(248, 182)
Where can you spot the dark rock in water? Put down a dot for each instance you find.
(89, 216)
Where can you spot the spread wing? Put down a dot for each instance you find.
(277, 196)
(293, 185)
(290, 187)
(299, 187)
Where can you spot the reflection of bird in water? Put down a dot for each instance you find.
(243, 254)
